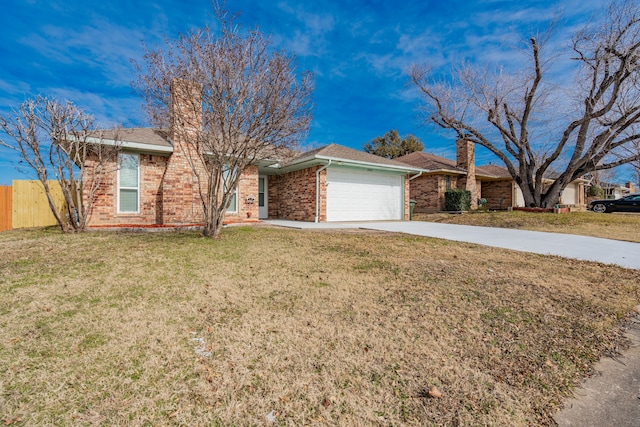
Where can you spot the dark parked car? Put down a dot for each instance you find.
(630, 203)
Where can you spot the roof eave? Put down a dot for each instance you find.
(445, 171)
(360, 163)
(133, 146)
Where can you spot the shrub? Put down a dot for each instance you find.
(457, 200)
(595, 191)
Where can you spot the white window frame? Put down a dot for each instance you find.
(137, 156)
(231, 209)
(234, 209)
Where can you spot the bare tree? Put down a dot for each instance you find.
(240, 100)
(60, 141)
(527, 121)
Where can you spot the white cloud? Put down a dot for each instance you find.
(310, 37)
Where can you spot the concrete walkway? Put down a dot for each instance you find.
(625, 254)
(611, 397)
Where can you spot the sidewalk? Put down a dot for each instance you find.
(611, 397)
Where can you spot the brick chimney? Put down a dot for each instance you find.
(465, 159)
(180, 196)
(185, 110)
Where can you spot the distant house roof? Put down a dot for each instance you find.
(430, 162)
(433, 163)
(492, 170)
(613, 185)
(339, 153)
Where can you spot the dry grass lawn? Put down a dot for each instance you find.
(270, 326)
(610, 226)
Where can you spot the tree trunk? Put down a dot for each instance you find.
(213, 223)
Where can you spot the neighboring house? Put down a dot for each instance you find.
(154, 185)
(490, 182)
(441, 174)
(616, 191)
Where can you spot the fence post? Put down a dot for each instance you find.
(5, 207)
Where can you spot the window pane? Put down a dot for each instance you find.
(261, 192)
(128, 170)
(128, 200)
(231, 207)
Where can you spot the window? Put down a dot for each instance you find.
(233, 200)
(261, 191)
(128, 183)
(448, 182)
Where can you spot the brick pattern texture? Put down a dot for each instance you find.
(407, 196)
(105, 206)
(428, 192)
(247, 197)
(499, 194)
(292, 195)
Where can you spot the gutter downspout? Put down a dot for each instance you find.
(318, 189)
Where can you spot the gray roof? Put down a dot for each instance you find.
(146, 136)
(492, 170)
(346, 154)
(144, 140)
(433, 163)
(430, 162)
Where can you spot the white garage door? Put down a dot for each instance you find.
(354, 195)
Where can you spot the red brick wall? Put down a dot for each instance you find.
(247, 188)
(407, 196)
(105, 206)
(499, 194)
(153, 197)
(293, 195)
(428, 192)
(180, 195)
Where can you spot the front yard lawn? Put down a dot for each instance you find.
(286, 327)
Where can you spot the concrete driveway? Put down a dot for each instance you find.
(625, 254)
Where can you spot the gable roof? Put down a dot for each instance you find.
(492, 170)
(345, 155)
(432, 163)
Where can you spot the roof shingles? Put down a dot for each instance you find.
(434, 163)
(341, 152)
(146, 136)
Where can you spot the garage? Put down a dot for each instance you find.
(364, 195)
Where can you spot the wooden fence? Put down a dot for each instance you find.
(28, 206)
(5, 207)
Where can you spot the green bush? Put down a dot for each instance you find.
(594, 191)
(457, 200)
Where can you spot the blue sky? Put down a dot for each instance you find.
(359, 50)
